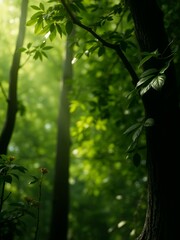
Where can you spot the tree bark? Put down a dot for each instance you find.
(60, 209)
(163, 207)
(12, 102)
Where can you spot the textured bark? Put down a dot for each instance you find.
(59, 220)
(12, 108)
(163, 137)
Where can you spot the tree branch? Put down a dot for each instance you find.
(115, 47)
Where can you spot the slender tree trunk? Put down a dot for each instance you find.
(59, 221)
(12, 102)
(163, 157)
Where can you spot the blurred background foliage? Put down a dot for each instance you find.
(107, 184)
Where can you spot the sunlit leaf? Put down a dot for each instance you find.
(149, 72)
(137, 133)
(53, 32)
(144, 79)
(38, 26)
(145, 59)
(44, 30)
(31, 22)
(132, 128)
(158, 82)
(165, 67)
(76, 58)
(35, 7)
(41, 5)
(47, 47)
(37, 15)
(148, 56)
(145, 89)
(149, 122)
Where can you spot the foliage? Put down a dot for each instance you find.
(38, 51)
(10, 219)
(107, 172)
(12, 213)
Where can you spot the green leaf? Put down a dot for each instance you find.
(149, 122)
(22, 49)
(47, 47)
(165, 67)
(77, 57)
(93, 48)
(38, 26)
(45, 30)
(19, 168)
(158, 82)
(145, 59)
(37, 15)
(29, 45)
(35, 180)
(35, 7)
(44, 54)
(137, 133)
(132, 147)
(145, 89)
(149, 72)
(41, 5)
(148, 56)
(15, 175)
(31, 22)
(59, 29)
(144, 79)
(80, 5)
(52, 35)
(101, 51)
(69, 27)
(132, 128)
(8, 179)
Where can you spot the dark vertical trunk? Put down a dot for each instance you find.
(59, 220)
(163, 137)
(9, 124)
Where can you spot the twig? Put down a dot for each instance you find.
(115, 47)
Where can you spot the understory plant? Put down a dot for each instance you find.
(12, 213)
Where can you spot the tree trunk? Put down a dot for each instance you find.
(59, 220)
(12, 102)
(162, 138)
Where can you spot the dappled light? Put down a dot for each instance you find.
(89, 110)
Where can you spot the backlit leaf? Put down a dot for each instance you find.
(158, 82)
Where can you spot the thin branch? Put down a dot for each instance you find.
(115, 47)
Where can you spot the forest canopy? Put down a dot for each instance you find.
(82, 98)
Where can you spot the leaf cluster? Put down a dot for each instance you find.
(152, 78)
(12, 213)
(51, 21)
(8, 169)
(38, 52)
